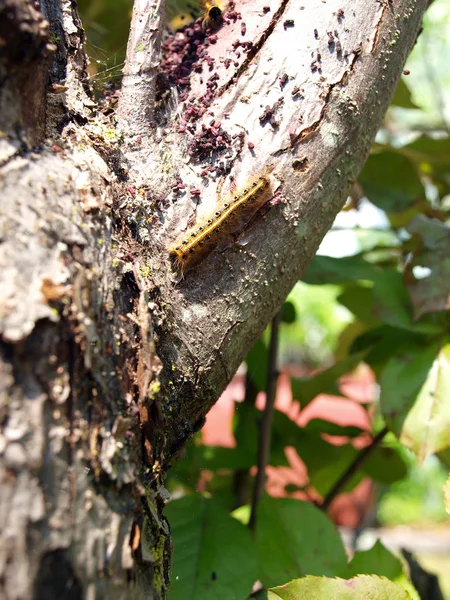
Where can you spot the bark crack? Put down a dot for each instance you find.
(257, 47)
(311, 129)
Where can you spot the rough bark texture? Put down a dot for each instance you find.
(109, 361)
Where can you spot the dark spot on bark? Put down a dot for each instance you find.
(300, 165)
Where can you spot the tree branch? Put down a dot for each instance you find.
(353, 468)
(136, 104)
(69, 94)
(24, 66)
(309, 117)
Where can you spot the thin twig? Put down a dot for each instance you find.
(266, 422)
(352, 469)
(135, 111)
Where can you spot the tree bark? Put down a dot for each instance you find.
(110, 361)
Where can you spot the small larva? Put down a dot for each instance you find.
(227, 222)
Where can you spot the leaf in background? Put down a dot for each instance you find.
(288, 313)
(363, 587)
(415, 387)
(385, 465)
(323, 477)
(187, 472)
(305, 389)
(295, 538)
(216, 458)
(246, 429)
(434, 151)
(107, 27)
(391, 182)
(247, 420)
(431, 292)
(392, 304)
(402, 96)
(284, 433)
(260, 595)
(447, 495)
(214, 555)
(322, 426)
(380, 561)
(256, 361)
(376, 561)
(181, 7)
(348, 338)
(285, 429)
(326, 462)
(384, 342)
(358, 299)
(327, 269)
(444, 457)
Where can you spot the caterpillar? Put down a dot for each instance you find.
(223, 225)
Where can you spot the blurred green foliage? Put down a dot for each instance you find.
(418, 499)
(106, 23)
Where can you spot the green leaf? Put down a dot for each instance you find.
(431, 292)
(376, 561)
(402, 96)
(358, 299)
(380, 561)
(286, 430)
(295, 538)
(432, 156)
(186, 472)
(214, 555)
(326, 462)
(447, 495)
(246, 429)
(392, 304)
(215, 458)
(288, 313)
(247, 419)
(435, 151)
(305, 389)
(260, 595)
(415, 387)
(384, 342)
(363, 587)
(256, 361)
(385, 465)
(284, 433)
(444, 457)
(327, 269)
(321, 426)
(391, 182)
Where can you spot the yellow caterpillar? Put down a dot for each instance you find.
(222, 225)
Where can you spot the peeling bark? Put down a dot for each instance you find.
(110, 361)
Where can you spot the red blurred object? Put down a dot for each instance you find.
(358, 388)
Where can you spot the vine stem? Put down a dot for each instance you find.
(353, 468)
(267, 418)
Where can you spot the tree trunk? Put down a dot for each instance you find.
(110, 359)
